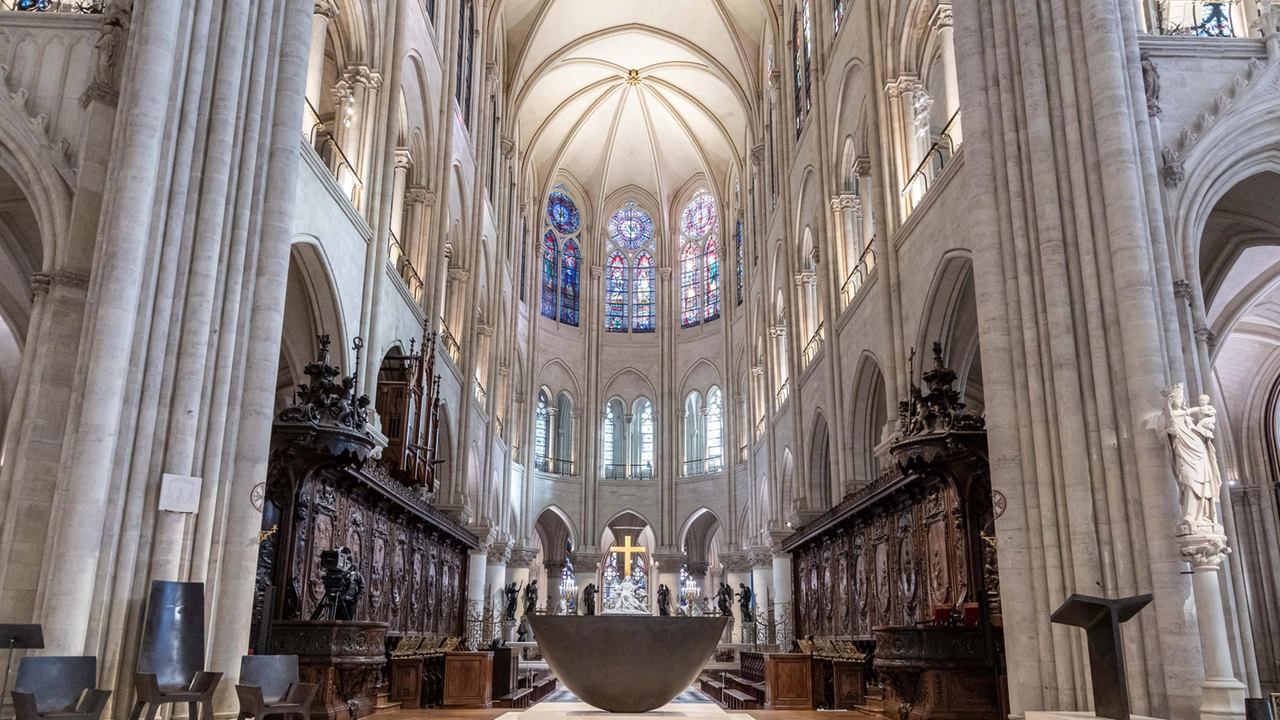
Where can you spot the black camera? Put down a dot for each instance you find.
(335, 561)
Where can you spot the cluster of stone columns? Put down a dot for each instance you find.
(161, 357)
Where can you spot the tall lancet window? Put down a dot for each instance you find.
(569, 284)
(550, 285)
(629, 271)
(715, 430)
(615, 293)
(700, 261)
(541, 430)
(561, 260)
(642, 438)
(802, 43)
(839, 13)
(737, 244)
(694, 438)
(466, 58)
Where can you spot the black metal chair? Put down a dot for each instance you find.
(269, 686)
(61, 688)
(171, 657)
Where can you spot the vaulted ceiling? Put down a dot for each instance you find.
(684, 111)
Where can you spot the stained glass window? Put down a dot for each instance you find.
(606, 436)
(642, 306)
(642, 444)
(802, 38)
(699, 216)
(563, 213)
(1214, 21)
(524, 259)
(711, 265)
(549, 268)
(737, 242)
(839, 14)
(569, 284)
(615, 293)
(568, 586)
(689, 287)
(631, 228)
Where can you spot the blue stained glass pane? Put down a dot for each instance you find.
(631, 228)
(549, 267)
(839, 14)
(569, 284)
(711, 265)
(1214, 22)
(615, 294)
(36, 5)
(690, 287)
(737, 241)
(643, 305)
(699, 216)
(563, 213)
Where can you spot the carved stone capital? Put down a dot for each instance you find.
(846, 201)
(597, 271)
(1182, 290)
(806, 277)
(418, 195)
(499, 553)
(404, 160)
(778, 331)
(665, 272)
(757, 371)
(760, 557)
(484, 330)
(585, 562)
(697, 570)
(507, 145)
(1204, 546)
(735, 562)
(459, 274)
(668, 562)
(1207, 336)
(522, 557)
(862, 166)
(326, 8)
(1173, 175)
(903, 85)
(521, 396)
(100, 92)
(757, 154)
(941, 18)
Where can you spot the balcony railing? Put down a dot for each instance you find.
(705, 466)
(627, 471)
(479, 392)
(760, 428)
(861, 271)
(742, 455)
(79, 7)
(814, 346)
(450, 343)
(501, 431)
(553, 466)
(326, 146)
(400, 261)
(939, 155)
(784, 392)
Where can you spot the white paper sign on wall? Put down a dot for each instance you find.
(180, 493)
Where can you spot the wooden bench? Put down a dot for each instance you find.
(738, 700)
(544, 687)
(715, 689)
(518, 699)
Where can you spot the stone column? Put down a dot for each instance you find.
(737, 571)
(325, 11)
(399, 183)
(762, 588)
(518, 571)
(784, 629)
(477, 577)
(586, 570)
(1204, 547)
(668, 573)
(862, 168)
(554, 572)
(847, 207)
(946, 37)
(126, 237)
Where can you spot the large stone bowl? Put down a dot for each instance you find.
(626, 663)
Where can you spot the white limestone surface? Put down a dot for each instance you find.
(675, 711)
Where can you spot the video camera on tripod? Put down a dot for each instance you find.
(343, 585)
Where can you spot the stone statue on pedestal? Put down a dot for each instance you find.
(1195, 464)
(724, 600)
(589, 599)
(530, 598)
(512, 595)
(664, 601)
(744, 604)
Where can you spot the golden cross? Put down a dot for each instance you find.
(627, 550)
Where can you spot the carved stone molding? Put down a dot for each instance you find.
(760, 557)
(806, 277)
(41, 283)
(484, 330)
(735, 562)
(1203, 551)
(903, 85)
(404, 160)
(697, 569)
(585, 562)
(862, 166)
(941, 18)
(778, 331)
(522, 557)
(757, 154)
(499, 553)
(326, 8)
(846, 201)
(1182, 289)
(665, 272)
(418, 195)
(459, 275)
(597, 271)
(668, 562)
(507, 145)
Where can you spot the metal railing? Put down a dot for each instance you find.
(705, 466)
(784, 392)
(450, 343)
(326, 146)
(814, 346)
(858, 277)
(554, 466)
(478, 391)
(400, 261)
(1195, 18)
(940, 153)
(79, 7)
(627, 471)
(760, 428)
(742, 455)
(501, 430)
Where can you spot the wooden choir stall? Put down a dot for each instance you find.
(353, 555)
(905, 569)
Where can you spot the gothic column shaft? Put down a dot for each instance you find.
(124, 244)
(239, 561)
(324, 12)
(201, 283)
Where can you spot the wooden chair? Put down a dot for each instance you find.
(172, 653)
(58, 688)
(269, 686)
